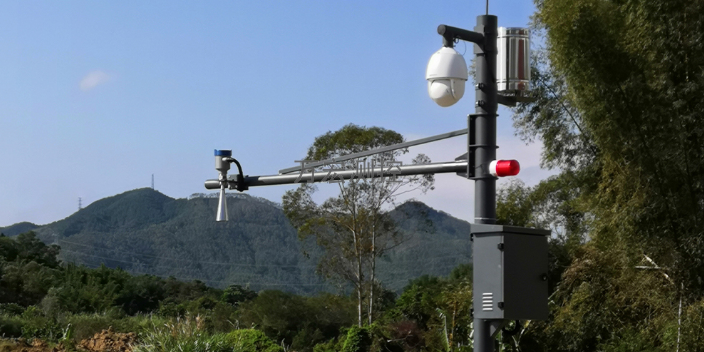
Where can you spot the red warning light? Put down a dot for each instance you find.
(502, 168)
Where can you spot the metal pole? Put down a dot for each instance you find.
(364, 171)
(485, 149)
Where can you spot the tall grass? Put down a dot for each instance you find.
(182, 334)
(189, 334)
(32, 323)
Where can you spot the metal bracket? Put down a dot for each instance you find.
(506, 100)
(495, 326)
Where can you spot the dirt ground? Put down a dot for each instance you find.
(104, 341)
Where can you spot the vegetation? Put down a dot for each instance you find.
(620, 120)
(178, 238)
(354, 228)
(618, 108)
(168, 314)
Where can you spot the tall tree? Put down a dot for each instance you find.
(634, 71)
(619, 113)
(354, 228)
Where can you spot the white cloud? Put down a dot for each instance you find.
(93, 79)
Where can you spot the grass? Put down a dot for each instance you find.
(189, 335)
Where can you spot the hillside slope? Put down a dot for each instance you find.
(144, 231)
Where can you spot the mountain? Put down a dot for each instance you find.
(144, 231)
(18, 228)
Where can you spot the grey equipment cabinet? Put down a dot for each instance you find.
(510, 272)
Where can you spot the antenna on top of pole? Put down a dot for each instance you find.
(487, 7)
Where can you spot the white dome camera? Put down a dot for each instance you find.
(446, 75)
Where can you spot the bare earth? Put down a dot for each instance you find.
(104, 341)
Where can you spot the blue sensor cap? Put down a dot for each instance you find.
(223, 152)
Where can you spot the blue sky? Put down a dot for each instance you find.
(95, 97)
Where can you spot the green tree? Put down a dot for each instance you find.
(28, 268)
(354, 228)
(619, 116)
(236, 294)
(633, 69)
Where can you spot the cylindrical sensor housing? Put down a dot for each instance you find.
(513, 65)
(220, 164)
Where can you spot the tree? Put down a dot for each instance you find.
(236, 294)
(634, 71)
(619, 114)
(353, 228)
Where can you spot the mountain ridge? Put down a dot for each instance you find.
(145, 231)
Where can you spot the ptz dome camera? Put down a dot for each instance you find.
(446, 75)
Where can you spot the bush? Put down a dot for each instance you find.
(250, 340)
(36, 324)
(333, 345)
(358, 340)
(186, 335)
(11, 309)
(10, 326)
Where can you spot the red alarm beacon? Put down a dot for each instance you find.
(502, 168)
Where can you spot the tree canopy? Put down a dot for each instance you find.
(354, 228)
(618, 109)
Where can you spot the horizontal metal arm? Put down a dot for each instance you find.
(450, 33)
(338, 175)
(375, 151)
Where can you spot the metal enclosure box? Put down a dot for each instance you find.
(513, 62)
(510, 272)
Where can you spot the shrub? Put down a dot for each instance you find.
(10, 326)
(358, 340)
(11, 309)
(333, 345)
(36, 324)
(186, 335)
(250, 340)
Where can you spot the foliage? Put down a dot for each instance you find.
(354, 228)
(27, 269)
(185, 335)
(333, 345)
(26, 247)
(618, 115)
(10, 325)
(178, 238)
(432, 311)
(190, 334)
(357, 340)
(250, 340)
(236, 294)
(633, 69)
(299, 322)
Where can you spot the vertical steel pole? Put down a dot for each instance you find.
(485, 150)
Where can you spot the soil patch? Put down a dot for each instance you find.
(104, 341)
(37, 345)
(109, 341)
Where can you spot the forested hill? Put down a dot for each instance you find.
(18, 228)
(144, 231)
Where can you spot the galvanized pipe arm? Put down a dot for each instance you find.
(340, 175)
